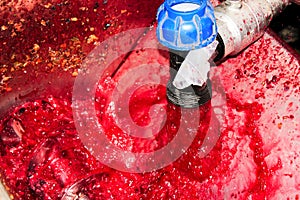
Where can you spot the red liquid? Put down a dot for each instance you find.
(42, 156)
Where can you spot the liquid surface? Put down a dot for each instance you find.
(42, 157)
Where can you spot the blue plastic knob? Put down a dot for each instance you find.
(186, 24)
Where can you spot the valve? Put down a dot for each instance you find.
(187, 27)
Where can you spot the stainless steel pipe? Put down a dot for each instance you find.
(241, 22)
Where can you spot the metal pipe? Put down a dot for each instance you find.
(190, 97)
(241, 22)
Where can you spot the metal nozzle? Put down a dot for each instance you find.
(190, 97)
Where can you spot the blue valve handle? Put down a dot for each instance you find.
(185, 30)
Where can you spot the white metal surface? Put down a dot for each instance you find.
(242, 22)
(3, 193)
